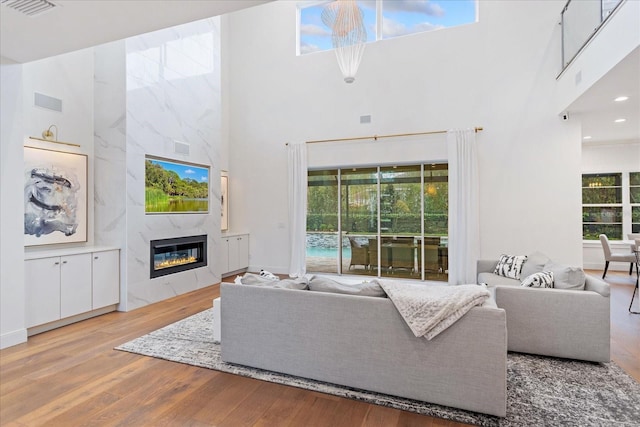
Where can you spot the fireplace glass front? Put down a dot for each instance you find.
(170, 256)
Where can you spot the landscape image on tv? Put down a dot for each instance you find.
(175, 187)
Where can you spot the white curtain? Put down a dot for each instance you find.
(297, 162)
(464, 212)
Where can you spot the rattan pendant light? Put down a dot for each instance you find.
(348, 35)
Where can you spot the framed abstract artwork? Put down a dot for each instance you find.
(55, 197)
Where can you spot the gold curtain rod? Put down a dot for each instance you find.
(377, 137)
(55, 142)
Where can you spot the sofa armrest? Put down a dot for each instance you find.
(597, 285)
(557, 322)
(486, 265)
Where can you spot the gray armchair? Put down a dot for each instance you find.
(615, 257)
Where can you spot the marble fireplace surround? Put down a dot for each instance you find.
(151, 92)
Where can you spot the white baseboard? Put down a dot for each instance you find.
(69, 320)
(614, 266)
(13, 338)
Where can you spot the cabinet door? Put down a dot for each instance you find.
(106, 278)
(243, 251)
(224, 255)
(238, 252)
(42, 287)
(75, 284)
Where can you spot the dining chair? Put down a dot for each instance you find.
(610, 256)
(632, 237)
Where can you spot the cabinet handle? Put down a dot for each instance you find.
(95, 257)
(56, 263)
(64, 262)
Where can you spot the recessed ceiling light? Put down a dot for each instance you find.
(620, 120)
(587, 137)
(621, 98)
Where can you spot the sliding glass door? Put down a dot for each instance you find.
(323, 241)
(386, 221)
(359, 215)
(436, 221)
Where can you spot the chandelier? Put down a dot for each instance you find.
(348, 35)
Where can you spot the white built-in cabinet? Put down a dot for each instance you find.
(234, 253)
(105, 278)
(70, 284)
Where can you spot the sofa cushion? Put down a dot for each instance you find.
(541, 279)
(324, 284)
(301, 283)
(492, 279)
(534, 264)
(510, 266)
(565, 277)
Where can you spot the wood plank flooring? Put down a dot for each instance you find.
(71, 376)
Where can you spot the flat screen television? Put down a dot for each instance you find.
(173, 186)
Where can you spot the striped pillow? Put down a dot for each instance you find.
(510, 266)
(543, 279)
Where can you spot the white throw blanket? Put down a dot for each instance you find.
(429, 310)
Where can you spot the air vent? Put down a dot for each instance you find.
(181, 147)
(29, 7)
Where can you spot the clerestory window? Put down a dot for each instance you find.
(385, 19)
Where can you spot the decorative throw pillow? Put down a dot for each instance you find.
(510, 266)
(534, 264)
(565, 277)
(542, 279)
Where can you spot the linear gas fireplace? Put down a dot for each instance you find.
(170, 256)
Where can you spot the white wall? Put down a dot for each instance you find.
(498, 73)
(68, 77)
(12, 306)
(615, 156)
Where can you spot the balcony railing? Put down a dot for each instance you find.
(581, 20)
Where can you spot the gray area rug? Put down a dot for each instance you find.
(541, 391)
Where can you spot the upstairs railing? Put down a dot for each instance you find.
(581, 20)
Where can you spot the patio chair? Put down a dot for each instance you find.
(403, 256)
(373, 254)
(359, 253)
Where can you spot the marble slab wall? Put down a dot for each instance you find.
(110, 146)
(171, 94)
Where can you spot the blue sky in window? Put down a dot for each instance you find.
(400, 17)
(184, 171)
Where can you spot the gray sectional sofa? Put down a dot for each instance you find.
(363, 342)
(571, 320)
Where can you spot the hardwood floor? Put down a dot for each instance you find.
(71, 376)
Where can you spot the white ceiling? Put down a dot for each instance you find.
(597, 110)
(78, 24)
